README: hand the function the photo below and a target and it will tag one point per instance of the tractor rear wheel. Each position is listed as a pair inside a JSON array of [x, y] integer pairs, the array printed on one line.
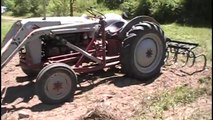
[[143, 51], [56, 83]]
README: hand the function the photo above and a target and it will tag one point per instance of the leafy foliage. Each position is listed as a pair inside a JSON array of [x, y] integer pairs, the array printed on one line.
[[182, 11], [59, 8], [36, 7], [129, 5], [197, 11], [166, 10], [22, 7], [111, 4]]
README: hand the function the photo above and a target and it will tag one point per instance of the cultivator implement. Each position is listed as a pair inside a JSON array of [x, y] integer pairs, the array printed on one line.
[[179, 50]]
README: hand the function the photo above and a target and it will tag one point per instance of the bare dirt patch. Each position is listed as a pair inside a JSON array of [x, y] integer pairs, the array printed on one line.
[[110, 93]]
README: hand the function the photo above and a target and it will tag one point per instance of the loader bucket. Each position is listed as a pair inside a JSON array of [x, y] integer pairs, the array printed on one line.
[[175, 49]]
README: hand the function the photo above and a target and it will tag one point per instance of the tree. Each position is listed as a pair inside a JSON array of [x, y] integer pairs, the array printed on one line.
[[2, 2], [71, 7], [36, 7], [59, 7], [21, 7]]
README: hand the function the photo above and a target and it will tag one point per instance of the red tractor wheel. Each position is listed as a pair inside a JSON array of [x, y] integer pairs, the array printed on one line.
[[56, 83], [143, 51]]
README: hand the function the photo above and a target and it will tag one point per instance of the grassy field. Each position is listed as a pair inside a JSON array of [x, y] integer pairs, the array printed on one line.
[[202, 36], [173, 31], [5, 27]]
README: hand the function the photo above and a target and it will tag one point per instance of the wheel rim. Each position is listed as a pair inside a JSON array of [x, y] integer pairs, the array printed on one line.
[[148, 53], [58, 85]]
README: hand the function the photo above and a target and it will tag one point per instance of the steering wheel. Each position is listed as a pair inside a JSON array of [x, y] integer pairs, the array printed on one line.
[[94, 12]]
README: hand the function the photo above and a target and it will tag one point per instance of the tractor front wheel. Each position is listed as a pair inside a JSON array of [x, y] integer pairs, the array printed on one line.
[[56, 83]]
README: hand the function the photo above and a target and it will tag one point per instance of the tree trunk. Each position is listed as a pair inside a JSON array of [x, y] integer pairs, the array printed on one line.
[[2, 2], [71, 7]]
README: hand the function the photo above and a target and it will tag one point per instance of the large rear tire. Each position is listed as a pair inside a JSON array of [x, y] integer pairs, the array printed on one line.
[[143, 51], [56, 83]]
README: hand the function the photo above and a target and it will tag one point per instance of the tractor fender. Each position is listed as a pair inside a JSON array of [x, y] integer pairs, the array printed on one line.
[[134, 21]]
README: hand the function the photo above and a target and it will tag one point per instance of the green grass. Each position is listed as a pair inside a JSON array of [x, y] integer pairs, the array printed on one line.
[[154, 106], [202, 36], [180, 95], [159, 103], [5, 27]]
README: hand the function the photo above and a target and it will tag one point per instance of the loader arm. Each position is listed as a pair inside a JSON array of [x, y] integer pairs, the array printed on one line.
[[26, 34], [12, 32]]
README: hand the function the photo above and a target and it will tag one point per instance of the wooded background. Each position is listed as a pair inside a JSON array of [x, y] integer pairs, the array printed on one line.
[[193, 12]]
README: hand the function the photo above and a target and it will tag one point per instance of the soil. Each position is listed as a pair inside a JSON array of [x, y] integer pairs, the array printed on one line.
[[109, 92]]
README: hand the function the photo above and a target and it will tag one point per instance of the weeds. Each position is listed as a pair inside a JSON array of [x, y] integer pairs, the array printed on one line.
[[154, 106]]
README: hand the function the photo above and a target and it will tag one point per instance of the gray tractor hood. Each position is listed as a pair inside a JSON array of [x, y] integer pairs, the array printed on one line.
[[109, 18]]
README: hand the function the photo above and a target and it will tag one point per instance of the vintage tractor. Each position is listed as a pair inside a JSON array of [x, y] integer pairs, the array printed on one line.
[[58, 49]]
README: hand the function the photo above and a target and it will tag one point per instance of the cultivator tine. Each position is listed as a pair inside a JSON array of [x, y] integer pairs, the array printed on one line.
[[204, 65], [205, 60], [193, 58], [185, 49], [167, 56], [187, 60]]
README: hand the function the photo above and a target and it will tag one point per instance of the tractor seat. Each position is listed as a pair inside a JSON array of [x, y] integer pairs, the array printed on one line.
[[114, 28]]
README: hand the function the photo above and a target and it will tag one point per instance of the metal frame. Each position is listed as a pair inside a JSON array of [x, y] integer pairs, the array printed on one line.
[[186, 49], [101, 60]]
